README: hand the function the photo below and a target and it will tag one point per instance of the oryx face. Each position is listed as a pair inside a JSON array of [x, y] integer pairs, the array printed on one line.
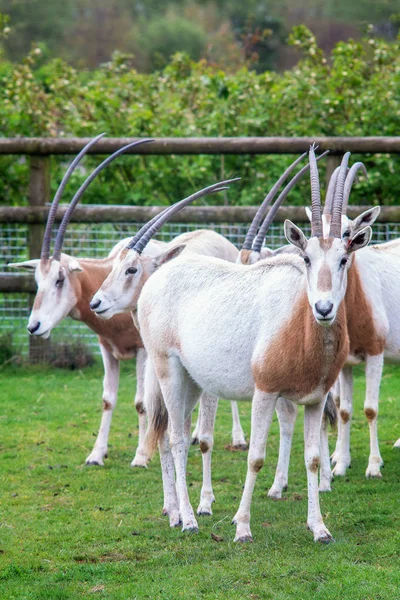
[[55, 296], [327, 261], [120, 291]]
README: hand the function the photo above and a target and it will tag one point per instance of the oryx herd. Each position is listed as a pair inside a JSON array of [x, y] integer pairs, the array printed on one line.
[[280, 328]]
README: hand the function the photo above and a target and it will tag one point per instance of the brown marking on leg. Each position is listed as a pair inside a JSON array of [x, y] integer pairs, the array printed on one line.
[[256, 465], [204, 447], [314, 465], [107, 405], [281, 370], [345, 416], [140, 408], [370, 413], [363, 333]]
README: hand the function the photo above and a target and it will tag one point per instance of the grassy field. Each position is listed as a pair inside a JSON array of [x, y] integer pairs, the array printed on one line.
[[68, 531]]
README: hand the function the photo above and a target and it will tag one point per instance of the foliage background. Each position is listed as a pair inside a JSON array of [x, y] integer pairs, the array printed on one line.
[[350, 89]]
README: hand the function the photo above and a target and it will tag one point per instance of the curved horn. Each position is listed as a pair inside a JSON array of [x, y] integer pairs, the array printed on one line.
[[68, 213], [349, 183], [336, 223], [255, 224], [331, 192], [271, 215], [147, 233], [45, 252], [316, 220]]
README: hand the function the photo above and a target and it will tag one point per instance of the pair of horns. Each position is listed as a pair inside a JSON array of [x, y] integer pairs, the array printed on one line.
[[337, 196], [144, 235], [254, 240], [45, 252]]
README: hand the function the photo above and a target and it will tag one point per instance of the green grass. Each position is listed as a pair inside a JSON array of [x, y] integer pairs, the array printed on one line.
[[68, 531]]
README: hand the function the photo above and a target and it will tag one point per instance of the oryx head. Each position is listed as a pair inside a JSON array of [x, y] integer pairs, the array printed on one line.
[[55, 275], [327, 257], [132, 267]]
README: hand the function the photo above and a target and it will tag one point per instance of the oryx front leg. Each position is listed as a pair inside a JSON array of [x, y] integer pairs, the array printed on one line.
[[325, 474], [141, 459], [208, 411], [238, 438], [312, 433], [180, 396], [287, 414], [110, 391], [373, 374], [262, 411], [342, 454]]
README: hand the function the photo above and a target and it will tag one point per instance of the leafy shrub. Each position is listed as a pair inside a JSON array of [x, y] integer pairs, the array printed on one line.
[[354, 92]]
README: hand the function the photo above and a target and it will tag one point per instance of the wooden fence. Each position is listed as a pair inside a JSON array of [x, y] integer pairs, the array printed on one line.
[[39, 151]]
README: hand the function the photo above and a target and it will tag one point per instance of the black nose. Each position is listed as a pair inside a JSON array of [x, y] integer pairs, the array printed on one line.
[[323, 308], [95, 304], [34, 327]]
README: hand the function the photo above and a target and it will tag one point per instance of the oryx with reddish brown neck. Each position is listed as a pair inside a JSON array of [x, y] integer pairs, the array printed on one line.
[[65, 287], [261, 331]]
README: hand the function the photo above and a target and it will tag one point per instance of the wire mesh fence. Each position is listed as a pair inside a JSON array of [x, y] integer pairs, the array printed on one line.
[[86, 240]]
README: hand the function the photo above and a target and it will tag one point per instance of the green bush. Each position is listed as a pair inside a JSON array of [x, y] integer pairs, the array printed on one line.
[[353, 92]]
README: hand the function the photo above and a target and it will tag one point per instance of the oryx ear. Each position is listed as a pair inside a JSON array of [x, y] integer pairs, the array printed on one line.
[[168, 255], [294, 235], [308, 213], [366, 218], [359, 239], [29, 265], [74, 266]]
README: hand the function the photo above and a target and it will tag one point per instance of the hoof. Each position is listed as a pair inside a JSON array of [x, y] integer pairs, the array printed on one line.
[[204, 512], [323, 489], [139, 462], [240, 446], [245, 539], [190, 529], [326, 538], [275, 493], [373, 474], [94, 463]]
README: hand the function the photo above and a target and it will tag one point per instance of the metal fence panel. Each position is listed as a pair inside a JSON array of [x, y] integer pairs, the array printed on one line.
[[97, 240]]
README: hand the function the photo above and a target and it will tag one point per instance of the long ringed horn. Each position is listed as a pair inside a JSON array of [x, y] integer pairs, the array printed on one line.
[[349, 183], [255, 224], [271, 215], [331, 192], [147, 233], [336, 223], [316, 220], [45, 252], [68, 213]]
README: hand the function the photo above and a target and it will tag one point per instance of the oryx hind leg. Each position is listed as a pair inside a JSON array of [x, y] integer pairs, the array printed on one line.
[[208, 411], [141, 458], [180, 395], [287, 414], [238, 438]]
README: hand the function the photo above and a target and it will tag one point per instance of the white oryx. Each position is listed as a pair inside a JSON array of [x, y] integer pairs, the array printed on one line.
[[274, 328], [119, 294], [121, 290], [65, 287], [374, 333]]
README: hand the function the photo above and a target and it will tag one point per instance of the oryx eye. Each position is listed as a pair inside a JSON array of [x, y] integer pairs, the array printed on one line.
[[343, 262], [131, 271], [307, 261]]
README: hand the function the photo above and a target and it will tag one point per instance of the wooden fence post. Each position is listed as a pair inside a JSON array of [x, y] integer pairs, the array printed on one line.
[[332, 162], [38, 195]]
